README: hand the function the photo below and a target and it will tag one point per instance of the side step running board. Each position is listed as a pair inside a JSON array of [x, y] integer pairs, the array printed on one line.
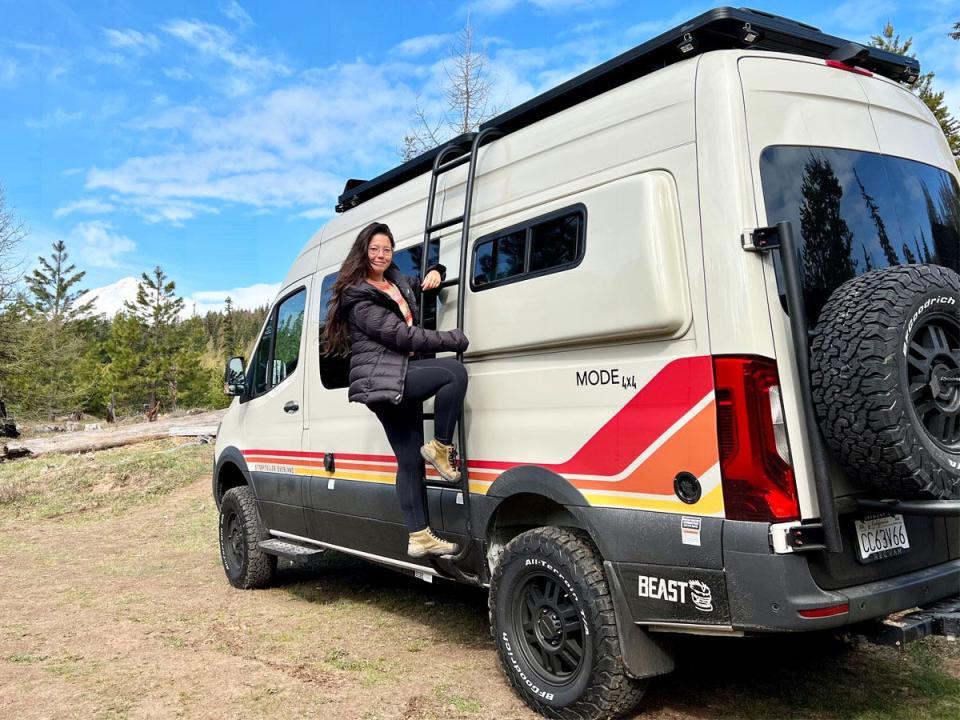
[[289, 550]]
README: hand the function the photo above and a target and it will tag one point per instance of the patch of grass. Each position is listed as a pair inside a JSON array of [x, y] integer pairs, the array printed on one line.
[[372, 672], [25, 659], [812, 676], [110, 481], [448, 697], [72, 667]]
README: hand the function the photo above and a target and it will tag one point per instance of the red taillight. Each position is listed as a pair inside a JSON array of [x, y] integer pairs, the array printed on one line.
[[836, 64], [823, 612], [758, 484]]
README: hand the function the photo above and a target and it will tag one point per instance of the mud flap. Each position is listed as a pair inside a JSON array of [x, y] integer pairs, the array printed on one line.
[[643, 655]]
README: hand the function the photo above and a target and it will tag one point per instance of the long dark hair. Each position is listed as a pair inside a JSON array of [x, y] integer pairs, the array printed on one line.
[[352, 272]]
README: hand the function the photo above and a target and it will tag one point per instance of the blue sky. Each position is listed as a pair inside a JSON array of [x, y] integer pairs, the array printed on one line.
[[212, 138]]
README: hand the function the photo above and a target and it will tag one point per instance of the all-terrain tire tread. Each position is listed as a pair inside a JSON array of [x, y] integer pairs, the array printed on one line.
[[857, 392], [611, 692], [261, 567]]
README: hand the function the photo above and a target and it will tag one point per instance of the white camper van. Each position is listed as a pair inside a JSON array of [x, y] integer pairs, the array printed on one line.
[[712, 297]]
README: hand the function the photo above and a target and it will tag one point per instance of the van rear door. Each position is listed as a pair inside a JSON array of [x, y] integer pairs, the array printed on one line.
[[860, 169]]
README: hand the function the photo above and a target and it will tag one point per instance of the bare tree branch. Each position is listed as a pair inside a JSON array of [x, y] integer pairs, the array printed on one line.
[[466, 96], [11, 233]]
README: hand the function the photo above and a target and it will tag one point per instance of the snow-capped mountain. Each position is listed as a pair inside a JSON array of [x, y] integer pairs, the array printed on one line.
[[109, 300]]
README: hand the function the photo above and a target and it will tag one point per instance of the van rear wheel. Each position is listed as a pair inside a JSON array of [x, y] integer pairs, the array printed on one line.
[[552, 618], [245, 564]]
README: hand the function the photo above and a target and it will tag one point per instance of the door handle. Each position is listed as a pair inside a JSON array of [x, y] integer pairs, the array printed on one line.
[[291, 407]]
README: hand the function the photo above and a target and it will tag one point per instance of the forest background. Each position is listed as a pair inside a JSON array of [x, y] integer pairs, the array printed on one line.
[[60, 360]]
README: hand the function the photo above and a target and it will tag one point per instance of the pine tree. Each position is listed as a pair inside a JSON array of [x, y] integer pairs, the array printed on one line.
[[923, 87], [126, 374], [228, 330], [158, 308], [882, 236], [827, 260], [51, 342], [52, 287]]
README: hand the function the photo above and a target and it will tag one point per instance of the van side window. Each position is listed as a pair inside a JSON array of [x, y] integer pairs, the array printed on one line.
[[278, 351], [408, 261], [261, 359], [334, 371], [543, 245]]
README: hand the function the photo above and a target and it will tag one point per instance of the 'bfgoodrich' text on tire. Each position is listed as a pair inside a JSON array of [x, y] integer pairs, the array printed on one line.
[[885, 370], [553, 621]]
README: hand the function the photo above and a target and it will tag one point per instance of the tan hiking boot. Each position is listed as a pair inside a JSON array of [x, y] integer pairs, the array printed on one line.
[[442, 458], [424, 542]]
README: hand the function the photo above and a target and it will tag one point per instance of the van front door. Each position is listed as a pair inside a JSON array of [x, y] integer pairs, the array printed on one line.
[[273, 412]]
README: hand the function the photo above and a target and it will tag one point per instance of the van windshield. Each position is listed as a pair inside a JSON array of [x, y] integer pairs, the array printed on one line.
[[855, 211]]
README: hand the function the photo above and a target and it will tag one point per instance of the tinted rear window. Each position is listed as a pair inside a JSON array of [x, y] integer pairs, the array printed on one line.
[[855, 211]]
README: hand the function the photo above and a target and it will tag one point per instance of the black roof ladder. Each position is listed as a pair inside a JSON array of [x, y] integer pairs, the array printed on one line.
[[462, 151]]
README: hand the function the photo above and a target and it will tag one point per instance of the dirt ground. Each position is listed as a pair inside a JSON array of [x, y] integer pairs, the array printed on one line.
[[115, 608]]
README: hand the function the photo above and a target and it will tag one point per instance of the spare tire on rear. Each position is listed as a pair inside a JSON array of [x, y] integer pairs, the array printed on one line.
[[885, 366]]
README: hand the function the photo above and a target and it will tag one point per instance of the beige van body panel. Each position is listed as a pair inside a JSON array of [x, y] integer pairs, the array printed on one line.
[[629, 157]]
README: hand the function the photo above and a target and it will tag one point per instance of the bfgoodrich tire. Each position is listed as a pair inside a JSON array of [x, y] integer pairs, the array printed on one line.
[[885, 362], [244, 563], [552, 618]]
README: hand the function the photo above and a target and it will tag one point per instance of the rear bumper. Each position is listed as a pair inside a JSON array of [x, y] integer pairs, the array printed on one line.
[[767, 593], [754, 590]]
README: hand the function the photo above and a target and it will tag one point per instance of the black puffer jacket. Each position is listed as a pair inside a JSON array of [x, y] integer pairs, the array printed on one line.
[[381, 341]]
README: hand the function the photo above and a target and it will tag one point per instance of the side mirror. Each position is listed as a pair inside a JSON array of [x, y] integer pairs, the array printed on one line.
[[234, 381]]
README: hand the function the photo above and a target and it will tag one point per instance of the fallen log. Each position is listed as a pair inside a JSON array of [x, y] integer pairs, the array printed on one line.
[[8, 453], [116, 436]]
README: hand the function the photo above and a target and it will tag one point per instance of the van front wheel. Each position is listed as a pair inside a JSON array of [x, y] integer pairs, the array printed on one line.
[[552, 618], [245, 564]]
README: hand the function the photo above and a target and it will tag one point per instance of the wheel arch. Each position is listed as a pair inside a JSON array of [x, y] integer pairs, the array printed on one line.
[[530, 496], [231, 471]]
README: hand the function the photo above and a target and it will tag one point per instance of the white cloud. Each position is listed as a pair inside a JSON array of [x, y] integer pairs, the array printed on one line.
[[499, 7], [272, 152], [215, 43], [133, 40], [415, 46], [89, 206], [56, 119], [866, 16], [232, 10], [9, 70], [491, 7], [98, 245], [318, 213], [249, 297], [177, 73]]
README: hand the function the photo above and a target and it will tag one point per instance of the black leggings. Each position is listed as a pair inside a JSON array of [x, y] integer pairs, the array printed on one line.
[[447, 379]]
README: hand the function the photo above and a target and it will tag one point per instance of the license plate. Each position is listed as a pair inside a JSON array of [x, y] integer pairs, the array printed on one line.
[[881, 536]]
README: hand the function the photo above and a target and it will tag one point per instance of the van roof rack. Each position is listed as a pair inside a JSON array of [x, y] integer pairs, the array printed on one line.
[[719, 29]]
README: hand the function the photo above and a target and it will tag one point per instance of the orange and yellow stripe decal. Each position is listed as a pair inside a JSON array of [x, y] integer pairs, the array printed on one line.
[[669, 426]]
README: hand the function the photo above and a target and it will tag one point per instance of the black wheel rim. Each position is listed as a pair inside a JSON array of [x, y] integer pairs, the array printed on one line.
[[547, 622], [933, 377], [232, 540]]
